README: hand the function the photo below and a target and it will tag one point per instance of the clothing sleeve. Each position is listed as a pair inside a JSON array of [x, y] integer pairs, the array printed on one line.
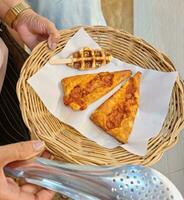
[[3, 61], [69, 13]]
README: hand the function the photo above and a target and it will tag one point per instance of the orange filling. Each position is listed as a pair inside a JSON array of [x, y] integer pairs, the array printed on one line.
[[122, 110], [78, 92]]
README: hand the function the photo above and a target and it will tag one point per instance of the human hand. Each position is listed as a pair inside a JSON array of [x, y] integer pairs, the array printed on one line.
[[9, 189], [34, 28]]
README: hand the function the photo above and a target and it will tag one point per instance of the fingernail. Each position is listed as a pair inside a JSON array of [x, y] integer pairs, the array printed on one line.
[[38, 145], [53, 46]]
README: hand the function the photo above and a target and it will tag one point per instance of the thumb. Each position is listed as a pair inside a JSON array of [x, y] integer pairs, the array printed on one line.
[[54, 36], [20, 151]]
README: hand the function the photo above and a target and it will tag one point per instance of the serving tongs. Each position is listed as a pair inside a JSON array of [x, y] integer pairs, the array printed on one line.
[[80, 182]]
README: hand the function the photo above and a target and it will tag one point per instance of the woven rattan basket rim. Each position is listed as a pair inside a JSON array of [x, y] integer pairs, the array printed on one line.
[[69, 145]]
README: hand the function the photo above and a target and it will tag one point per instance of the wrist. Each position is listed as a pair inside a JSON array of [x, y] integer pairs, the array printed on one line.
[[5, 5], [14, 12], [22, 17]]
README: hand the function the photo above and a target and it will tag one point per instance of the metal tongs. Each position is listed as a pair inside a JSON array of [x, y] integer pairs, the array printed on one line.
[[80, 182]]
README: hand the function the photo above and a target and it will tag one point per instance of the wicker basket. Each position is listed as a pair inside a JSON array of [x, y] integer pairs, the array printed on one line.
[[67, 144]]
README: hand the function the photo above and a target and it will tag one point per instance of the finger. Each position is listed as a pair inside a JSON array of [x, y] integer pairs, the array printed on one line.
[[41, 195], [26, 196], [44, 194], [29, 188], [10, 181], [20, 151], [53, 36], [46, 154], [37, 39]]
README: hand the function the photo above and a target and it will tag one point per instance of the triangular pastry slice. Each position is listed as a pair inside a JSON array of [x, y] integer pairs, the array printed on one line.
[[117, 114], [82, 90]]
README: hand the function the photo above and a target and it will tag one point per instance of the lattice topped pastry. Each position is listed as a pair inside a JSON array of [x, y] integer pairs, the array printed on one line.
[[86, 58]]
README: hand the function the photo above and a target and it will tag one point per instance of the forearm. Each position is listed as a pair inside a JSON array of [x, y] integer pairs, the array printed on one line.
[[5, 5]]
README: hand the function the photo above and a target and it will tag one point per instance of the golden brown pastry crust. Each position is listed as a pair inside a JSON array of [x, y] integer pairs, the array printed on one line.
[[116, 115], [82, 90], [88, 58]]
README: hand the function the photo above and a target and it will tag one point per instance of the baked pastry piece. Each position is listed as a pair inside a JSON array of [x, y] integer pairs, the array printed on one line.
[[82, 90], [86, 58], [117, 114]]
